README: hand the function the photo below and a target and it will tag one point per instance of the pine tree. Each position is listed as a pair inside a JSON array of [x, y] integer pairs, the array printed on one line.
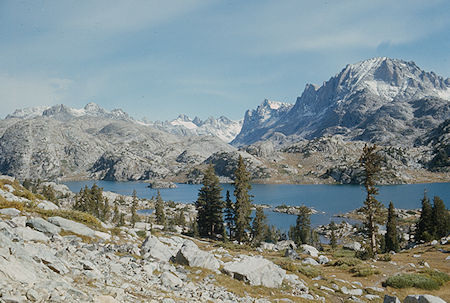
[[209, 205], [300, 234], [134, 205], [259, 226], [391, 237], [106, 211], [425, 226], [180, 220], [333, 240], [49, 193], [92, 202], [243, 203], [159, 210], [372, 208], [116, 214], [441, 218], [229, 214]]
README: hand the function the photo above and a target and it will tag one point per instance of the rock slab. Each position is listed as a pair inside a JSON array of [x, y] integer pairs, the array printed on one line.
[[256, 271]]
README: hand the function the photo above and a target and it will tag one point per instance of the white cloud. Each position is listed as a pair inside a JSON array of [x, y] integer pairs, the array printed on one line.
[[291, 26], [29, 91]]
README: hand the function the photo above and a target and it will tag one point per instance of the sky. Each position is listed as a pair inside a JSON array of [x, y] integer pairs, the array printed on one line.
[[157, 59]]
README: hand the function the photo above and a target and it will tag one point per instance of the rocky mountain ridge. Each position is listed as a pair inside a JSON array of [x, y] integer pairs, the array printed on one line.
[[380, 100]]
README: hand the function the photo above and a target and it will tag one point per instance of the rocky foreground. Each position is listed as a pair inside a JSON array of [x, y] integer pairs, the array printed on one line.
[[48, 255]]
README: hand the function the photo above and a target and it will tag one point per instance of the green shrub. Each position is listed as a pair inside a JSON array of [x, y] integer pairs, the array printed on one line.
[[412, 280], [364, 271], [346, 262], [343, 253], [385, 258], [288, 265], [427, 279], [440, 277], [141, 233], [11, 204], [309, 271]]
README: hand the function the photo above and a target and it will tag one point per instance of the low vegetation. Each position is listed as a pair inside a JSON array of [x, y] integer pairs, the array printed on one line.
[[428, 280]]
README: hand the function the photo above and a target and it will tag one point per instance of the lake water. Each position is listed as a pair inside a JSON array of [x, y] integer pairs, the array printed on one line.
[[327, 199]]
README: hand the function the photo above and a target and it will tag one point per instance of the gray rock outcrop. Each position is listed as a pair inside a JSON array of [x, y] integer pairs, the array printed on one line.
[[72, 226], [191, 255], [423, 299], [256, 271]]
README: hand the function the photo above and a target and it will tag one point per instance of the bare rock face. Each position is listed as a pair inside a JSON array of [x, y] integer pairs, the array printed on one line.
[[380, 100], [191, 255], [154, 248], [61, 142], [256, 271]]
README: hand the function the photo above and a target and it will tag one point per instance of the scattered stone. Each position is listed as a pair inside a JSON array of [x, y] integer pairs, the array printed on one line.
[[309, 250], [434, 242], [291, 253], [327, 289], [10, 212], [323, 259], [390, 299], [356, 246], [352, 292], [154, 248], [256, 271], [310, 261], [372, 297], [285, 244], [423, 299], [191, 255], [170, 280], [28, 234], [47, 205], [43, 226]]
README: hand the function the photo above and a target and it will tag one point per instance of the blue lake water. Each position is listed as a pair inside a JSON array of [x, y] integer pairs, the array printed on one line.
[[327, 199]]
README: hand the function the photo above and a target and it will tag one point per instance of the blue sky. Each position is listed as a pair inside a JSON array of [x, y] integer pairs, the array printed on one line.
[[156, 59]]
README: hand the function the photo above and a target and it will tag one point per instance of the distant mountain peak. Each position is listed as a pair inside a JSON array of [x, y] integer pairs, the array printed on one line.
[[379, 99]]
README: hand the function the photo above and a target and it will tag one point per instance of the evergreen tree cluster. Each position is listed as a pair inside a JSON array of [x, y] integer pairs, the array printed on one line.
[[301, 232], [159, 210], [215, 217], [92, 202], [434, 222]]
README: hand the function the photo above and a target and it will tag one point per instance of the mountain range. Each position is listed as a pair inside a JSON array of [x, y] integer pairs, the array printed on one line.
[[386, 101], [380, 100]]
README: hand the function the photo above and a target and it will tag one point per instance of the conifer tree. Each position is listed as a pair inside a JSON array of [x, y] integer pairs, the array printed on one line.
[[134, 205], [180, 220], [229, 214], [159, 210], [106, 211], [259, 226], [333, 240], [441, 218], [300, 234], [209, 205], [391, 237], [372, 208], [243, 203], [92, 201], [425, 226], [116, 214]]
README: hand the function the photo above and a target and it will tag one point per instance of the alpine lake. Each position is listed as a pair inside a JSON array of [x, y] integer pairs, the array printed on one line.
[[327, 200]]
